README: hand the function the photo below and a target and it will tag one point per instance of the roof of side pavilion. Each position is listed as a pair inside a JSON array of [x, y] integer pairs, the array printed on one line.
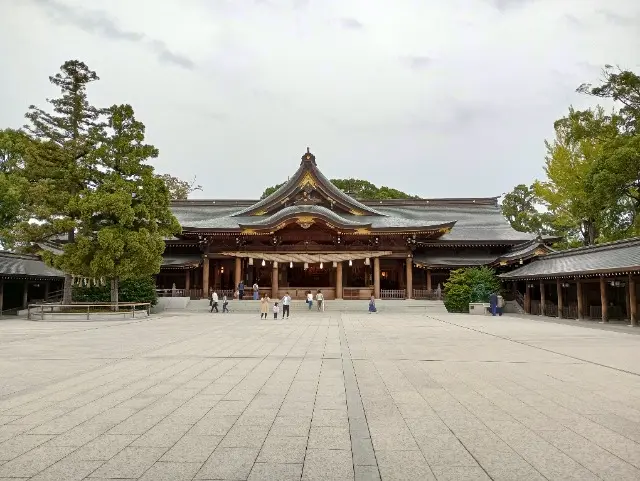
[[23, 266], [619, 257], [310, 195]]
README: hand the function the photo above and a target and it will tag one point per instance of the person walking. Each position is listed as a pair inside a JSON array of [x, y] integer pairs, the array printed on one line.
[[372, 305], [493, 303], [241, 290], [214, 301], [264, 306], [276, 309], [500, 304], [225, 304], [309, 299], [320, 300], [286, 303], [256, 291]]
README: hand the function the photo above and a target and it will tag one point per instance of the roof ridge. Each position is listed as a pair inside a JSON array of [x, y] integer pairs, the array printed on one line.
[[604, 246]]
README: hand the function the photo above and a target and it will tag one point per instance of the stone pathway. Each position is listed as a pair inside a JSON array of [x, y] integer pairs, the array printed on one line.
[[324, 396]]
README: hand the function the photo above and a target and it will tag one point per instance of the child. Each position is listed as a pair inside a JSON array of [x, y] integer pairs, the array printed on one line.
[[320, 300], [372, 305], [276, 309], [309, 299], [225, 303]]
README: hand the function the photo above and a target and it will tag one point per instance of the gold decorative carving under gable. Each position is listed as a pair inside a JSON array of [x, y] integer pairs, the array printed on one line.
[[305, 221], [363, 230], [260, 212], [540, 252], [307, 179], [355, 212], [248, 231]]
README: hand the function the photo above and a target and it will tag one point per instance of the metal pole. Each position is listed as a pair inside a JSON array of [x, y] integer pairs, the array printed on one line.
[[88, 307]]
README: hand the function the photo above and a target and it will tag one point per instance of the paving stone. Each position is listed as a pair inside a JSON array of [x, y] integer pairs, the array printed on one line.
[[272, 472], [245, 437], [290, 426], [228, 463], [68, 470], [403, 466], [104, 447], [192, 448], [214, 425], [283, 449], [20, 444], [166, 471], [330, 417], [323, 464], [131, 462], [457, 473], [34, 461], [325, 437], [367, 473]]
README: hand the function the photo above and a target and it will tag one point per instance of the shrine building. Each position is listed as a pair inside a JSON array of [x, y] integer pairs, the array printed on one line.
[[310, 235]]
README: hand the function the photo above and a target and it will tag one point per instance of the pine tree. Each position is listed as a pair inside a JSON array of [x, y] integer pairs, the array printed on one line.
[[59, 165], [125, 215]]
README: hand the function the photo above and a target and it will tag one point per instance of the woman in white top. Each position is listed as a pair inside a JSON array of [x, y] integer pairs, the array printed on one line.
[[309, 299]]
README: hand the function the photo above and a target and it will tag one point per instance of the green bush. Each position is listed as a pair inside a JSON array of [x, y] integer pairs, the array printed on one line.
[[469, 285], [130, 290]]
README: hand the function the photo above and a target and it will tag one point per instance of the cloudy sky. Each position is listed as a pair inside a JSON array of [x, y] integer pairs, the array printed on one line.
[[440, 98]]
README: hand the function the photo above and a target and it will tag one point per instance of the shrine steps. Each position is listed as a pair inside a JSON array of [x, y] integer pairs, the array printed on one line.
[[337, 305]]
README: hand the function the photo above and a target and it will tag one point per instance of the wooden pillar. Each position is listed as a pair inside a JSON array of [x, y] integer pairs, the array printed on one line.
[[274, 281], [237, 273], [633, 301], [428, 279], [527, 299], [187, 279], [25, 295], [580, 300], [1, 296], [339, 281], [376, 277], [46, 291], [542, 298], [205, 277], [215, 276], [560, 299], [409, 286], [603, 299]]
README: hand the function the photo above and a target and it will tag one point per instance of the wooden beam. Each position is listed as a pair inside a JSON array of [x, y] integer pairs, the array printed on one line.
[[25, 295], [339, 281], [580, 300], [205, 277], [633, 301], [542, 298], [603, 299], [1, 296], [376, 277], [409, 288], [274, 281], [560, 298]]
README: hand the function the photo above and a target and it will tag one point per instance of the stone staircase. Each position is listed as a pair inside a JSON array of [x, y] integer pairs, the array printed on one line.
[[338, 305], [513, 307]]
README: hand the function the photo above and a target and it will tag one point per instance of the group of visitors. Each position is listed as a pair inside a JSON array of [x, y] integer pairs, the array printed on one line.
[[265, 302], [213, 302]]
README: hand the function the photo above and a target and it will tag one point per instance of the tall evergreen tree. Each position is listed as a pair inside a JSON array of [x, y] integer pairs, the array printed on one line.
[[125, 214], [60, 167]]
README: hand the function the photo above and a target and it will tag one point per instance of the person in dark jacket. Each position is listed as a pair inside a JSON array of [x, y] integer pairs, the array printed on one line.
[[241, 290], [493, 303]]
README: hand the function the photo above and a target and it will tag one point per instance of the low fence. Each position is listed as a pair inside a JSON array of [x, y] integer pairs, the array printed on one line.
[[82, 309], [392, 294], [428, 294], [190, 293]]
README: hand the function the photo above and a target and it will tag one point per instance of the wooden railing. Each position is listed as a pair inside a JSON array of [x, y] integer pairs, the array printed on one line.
[[102, 308], [428, 294], [519, 298], [191, 293], [392, 293]]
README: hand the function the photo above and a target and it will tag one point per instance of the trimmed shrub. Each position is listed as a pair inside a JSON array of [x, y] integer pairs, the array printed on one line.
[[468, 285], [141, 289]]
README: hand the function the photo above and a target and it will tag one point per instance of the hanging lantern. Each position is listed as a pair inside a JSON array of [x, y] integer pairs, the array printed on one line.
[[321, 265], [350, 262], [291, 265], [335, 264], [306, 266], [222, 270], [250, 261], [263, 263], [367, 261]]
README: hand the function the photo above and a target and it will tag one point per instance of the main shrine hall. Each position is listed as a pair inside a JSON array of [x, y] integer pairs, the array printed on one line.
[[309, 235]]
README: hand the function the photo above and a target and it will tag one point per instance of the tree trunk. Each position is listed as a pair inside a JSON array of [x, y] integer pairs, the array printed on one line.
[[67, 292], [114, 293]]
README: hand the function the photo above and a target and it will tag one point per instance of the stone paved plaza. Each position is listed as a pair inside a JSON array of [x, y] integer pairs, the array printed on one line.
[[322, 396]]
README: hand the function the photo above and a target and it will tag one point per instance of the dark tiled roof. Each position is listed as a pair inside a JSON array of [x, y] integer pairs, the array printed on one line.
[[358, 221], [22, 265], [462, 260], [474, 221], [612, 257], [526, 250]]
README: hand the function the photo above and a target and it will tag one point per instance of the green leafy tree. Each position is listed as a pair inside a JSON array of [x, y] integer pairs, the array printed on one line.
[[569, 165], [615, 179], [468, 285], [12, 182], [125, 215], [136, 289], [359, 189], [58, 164], [521, 208], [179, 189]]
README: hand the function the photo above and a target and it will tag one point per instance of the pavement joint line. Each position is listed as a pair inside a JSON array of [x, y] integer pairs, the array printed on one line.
[[537, 347], [352, 390]]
